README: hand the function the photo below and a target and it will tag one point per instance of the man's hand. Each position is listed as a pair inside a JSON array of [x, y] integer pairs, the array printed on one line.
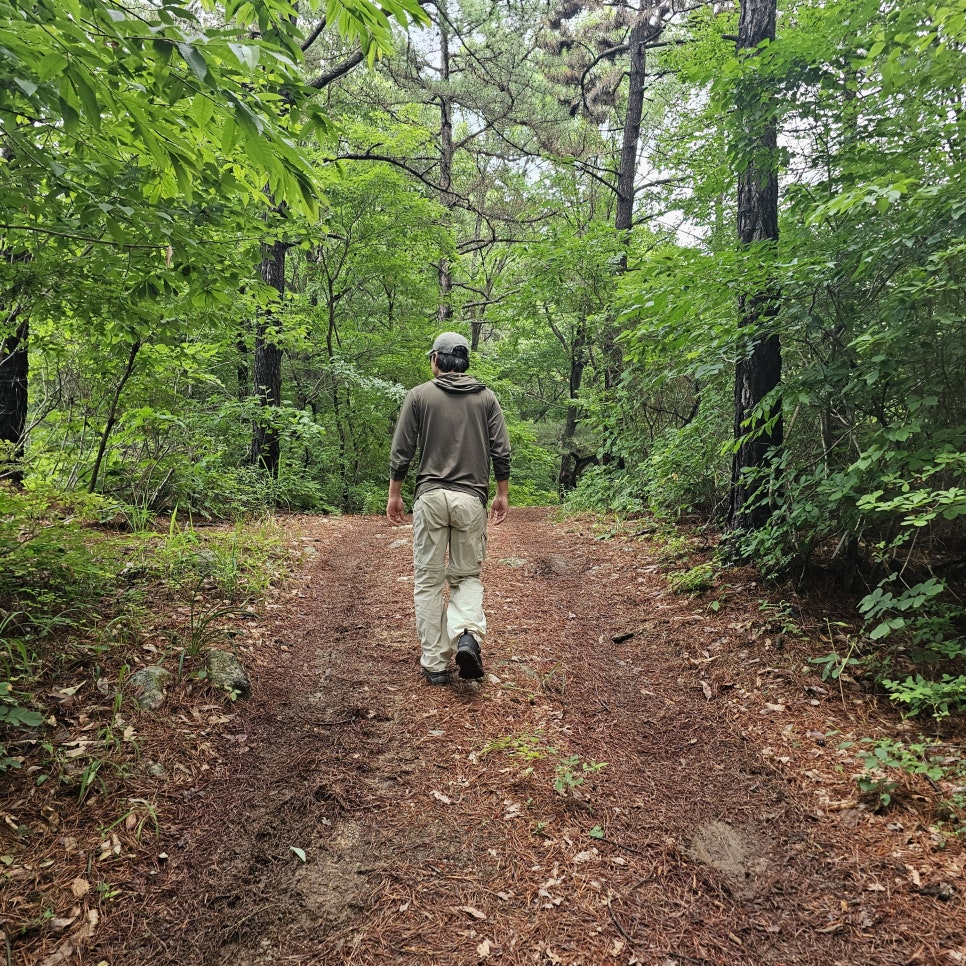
[[396, 511], [395, 508], [501, 502]]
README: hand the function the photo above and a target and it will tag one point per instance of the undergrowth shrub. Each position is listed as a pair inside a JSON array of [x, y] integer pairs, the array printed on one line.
[[51, 582], [50, 574], [693, 581], [600, 489], [238, 564], [685, 471]]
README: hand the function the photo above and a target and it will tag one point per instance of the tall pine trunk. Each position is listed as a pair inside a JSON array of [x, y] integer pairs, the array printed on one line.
[[265, 449], [14, 371], [758, 429], [627, 166], [570, 462], [640, 34], [13, 401], [446, 149]]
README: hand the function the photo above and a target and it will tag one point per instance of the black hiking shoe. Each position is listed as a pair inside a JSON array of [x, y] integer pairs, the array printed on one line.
[[436, 677], [468, 658]]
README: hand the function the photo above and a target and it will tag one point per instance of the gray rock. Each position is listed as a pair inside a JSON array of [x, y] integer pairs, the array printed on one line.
[[150, 683], [227, 673], [206, 561]]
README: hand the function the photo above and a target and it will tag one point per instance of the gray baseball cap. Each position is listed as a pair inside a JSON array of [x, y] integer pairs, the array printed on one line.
[[448, 341]]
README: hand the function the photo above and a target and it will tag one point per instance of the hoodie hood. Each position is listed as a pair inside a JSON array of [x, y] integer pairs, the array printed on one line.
[[458, 382]]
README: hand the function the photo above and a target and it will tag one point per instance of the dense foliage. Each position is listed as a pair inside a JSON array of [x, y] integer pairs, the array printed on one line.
[[474, 177]]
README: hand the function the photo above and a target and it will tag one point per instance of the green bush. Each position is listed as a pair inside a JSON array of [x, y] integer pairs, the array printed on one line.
[[49, 574], [602, 489], [686, 472]]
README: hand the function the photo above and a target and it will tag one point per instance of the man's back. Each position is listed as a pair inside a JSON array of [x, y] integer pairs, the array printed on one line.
[[460, 428]]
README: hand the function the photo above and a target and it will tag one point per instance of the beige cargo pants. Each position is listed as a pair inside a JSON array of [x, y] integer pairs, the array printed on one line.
[[447, 520]]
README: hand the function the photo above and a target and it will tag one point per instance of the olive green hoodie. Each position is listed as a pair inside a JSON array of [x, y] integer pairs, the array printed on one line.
[[459, 428]]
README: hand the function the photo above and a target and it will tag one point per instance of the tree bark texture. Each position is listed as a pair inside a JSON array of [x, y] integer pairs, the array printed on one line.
[[569, 457], [758, 433], [242, 372], [14, 369], [640, 33], [627, 169], [266, 443], [446, 149]]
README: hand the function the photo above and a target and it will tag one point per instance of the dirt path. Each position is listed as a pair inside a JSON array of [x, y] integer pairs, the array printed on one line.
[[731, 833]]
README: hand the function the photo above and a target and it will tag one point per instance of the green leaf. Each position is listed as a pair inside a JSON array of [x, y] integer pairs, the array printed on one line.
[[192, 57], [27, 86], [229, 134], [247, 55], [50, 65], [299, 852], [88, 99]]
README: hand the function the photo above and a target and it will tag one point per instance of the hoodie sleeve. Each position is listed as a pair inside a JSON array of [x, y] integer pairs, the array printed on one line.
[[404, 439], [499, 441]]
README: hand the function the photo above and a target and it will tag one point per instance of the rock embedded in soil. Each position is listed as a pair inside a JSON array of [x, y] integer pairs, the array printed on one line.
[[227, 673], [149, 683], [735, 853]]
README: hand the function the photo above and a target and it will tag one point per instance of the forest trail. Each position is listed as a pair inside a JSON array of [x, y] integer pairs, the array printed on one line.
[[731, 833]]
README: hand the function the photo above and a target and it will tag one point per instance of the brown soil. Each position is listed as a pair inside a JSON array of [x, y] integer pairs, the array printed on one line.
[[725, 827]]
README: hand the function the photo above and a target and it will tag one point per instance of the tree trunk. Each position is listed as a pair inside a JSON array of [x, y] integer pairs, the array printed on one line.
[[242, 372], [626, 192], [14, 370], [627, 169], [266, 446], [445, 310], [569, 458], [112, 416], [758, 432], [265, 450], [13, 401]]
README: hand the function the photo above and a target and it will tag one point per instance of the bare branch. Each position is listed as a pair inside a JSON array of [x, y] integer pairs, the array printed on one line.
[[314, 36], [323, 80]]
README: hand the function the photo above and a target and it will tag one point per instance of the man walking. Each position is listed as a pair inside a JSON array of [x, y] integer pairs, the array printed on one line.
[[459, 428]]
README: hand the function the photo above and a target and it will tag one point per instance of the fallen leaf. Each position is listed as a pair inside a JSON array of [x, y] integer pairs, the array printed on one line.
[[80, 888], [484, 949], [87, 929], [472, 911], [59, 955], [440, 797], [706, 688]]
